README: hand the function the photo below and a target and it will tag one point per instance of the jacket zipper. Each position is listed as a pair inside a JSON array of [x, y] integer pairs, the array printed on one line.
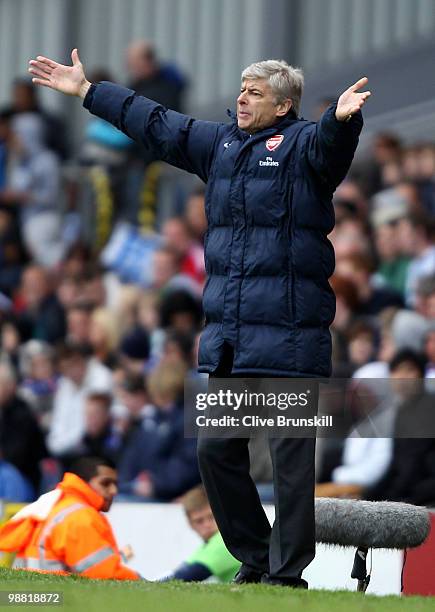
[[291, 276]]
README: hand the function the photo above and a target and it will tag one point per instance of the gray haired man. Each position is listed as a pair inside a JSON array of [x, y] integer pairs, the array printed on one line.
[[268, 304]]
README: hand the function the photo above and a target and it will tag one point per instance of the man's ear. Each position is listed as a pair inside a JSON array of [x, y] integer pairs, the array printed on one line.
[[283, 107]]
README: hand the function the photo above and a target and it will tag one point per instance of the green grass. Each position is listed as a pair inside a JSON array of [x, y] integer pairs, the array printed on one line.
[[107, 596]]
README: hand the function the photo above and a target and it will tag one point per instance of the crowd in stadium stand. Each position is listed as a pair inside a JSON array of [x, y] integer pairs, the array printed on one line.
[[100, 306]]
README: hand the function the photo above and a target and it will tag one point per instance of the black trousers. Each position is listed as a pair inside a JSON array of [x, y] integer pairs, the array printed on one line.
[[286, 549]]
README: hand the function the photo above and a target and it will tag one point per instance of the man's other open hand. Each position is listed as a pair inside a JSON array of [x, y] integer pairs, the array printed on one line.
[[351, 100], [69, 80]]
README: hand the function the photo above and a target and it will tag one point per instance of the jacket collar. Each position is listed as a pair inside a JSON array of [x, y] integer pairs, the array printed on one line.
[[73, 485]]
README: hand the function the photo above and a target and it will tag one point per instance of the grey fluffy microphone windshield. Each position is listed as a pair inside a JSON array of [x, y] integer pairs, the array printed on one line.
[[351, 522]]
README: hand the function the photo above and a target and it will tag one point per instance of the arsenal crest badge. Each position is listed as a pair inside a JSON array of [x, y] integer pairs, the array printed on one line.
[[274, 142]]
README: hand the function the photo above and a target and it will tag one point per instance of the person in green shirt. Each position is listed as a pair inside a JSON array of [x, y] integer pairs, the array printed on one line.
[[212, 557]]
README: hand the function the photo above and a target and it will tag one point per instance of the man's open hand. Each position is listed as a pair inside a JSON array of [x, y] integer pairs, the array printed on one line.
[[351, 100], [69, 80]]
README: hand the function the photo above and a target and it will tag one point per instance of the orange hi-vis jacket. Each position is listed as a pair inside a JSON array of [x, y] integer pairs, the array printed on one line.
[[64, 532]]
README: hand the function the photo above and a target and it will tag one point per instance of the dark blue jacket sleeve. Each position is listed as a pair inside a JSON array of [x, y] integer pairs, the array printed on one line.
[[329, 146], [169, 136]]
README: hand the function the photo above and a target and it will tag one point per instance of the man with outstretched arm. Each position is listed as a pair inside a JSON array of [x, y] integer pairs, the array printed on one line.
[[268, 305]]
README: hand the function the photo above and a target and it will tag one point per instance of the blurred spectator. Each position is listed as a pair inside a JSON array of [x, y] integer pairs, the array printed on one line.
[[389, 208], [149, 78], [195, 214], [159, 462], [349, 237], [362, 339], [25, 100], [132, 394], [167, 272], [135, 350], [382, 168], [5, 121], [10, 339], [165, 266], [421, 236], [178, 347], [80, 375], [39, 379], [94, 290], [408, 330], [346, 304], [148, 317], [349, 201], [68, 291], [12, 255], [40, 315], [177, 236], [372, 299], [33, 186], [425, 296], [76, 261], [21, 440], [387, 347], [100, 437], [212, 557], [426, 183], [382, 454], [180, 311], [78, 323], [104, 336], [165, 84], [411, 473]]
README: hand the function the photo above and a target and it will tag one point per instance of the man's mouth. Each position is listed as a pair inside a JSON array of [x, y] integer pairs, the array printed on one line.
[[243, 114]]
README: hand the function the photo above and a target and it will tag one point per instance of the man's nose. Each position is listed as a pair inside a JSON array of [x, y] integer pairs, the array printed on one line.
[[241, 99]]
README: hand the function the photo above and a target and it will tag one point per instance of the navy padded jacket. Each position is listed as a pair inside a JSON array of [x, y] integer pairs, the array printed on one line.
[[269, 210]]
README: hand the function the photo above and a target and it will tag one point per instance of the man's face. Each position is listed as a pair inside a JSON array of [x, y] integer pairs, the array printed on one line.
[[176, 236], [74, 368], [406, 380], [165, 267], [78, 325], [97, 417], [23, 97], [140, 61], [106, 484], [34, 286], [202, 521], [256, 107], [134, 401]]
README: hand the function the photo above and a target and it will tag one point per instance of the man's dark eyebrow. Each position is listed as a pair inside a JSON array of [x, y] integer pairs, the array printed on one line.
[[108, 480]]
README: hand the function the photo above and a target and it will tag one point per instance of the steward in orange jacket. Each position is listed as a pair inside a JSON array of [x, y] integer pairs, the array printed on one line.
[[64, 531]]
